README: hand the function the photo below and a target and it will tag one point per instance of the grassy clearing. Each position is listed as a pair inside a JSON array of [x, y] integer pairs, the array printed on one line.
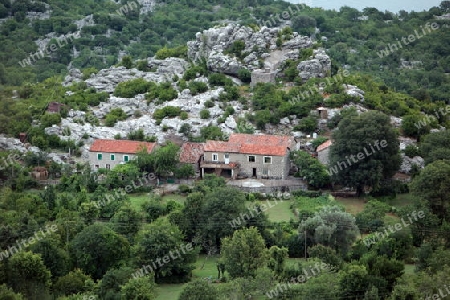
[[205, 267], [169, 291], [279, 212], [138, 199], [352, 205]]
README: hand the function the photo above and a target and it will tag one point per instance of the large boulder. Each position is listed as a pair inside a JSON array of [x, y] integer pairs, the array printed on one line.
[[317, 67]]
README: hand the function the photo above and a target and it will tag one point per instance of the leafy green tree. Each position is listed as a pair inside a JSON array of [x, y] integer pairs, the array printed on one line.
[[353, 281], [55, 257], [244, 253], [185, 171], [28, 275], [126, 221], [98, 248], [72, 283], [157, 242], [277, 259], [111, 284], [165, 159], [199, 290], [311, 169], [8, 294], [143, 288], [332, 227], [223, 205], [358, 135], [48, 119], [435, 146], [411, 126], [433, 184], [116, 114], [127, 62], [372, 217]]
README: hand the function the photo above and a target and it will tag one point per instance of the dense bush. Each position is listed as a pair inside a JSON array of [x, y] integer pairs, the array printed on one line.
[[166, 111], [164, 92], [116, 114], [48, 119], [129, 89], [205, 114], [197, 87]]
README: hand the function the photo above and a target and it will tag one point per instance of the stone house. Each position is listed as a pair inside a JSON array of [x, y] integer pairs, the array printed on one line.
[[247, 155], [323, 152], [109, 153], [263, 76], [192, 153]]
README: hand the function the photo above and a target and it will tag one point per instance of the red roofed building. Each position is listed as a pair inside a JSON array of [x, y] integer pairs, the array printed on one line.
[[247, 155], [323, 152], [192, 153], [109, 153]]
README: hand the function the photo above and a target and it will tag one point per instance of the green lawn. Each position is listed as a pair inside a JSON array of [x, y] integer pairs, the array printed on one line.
[[138, 199], [205, 268], [279, 211], [353, 205], [169, 291]]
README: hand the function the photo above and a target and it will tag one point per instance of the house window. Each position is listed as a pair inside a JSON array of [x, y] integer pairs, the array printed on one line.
[[96, 166], [215, 157], [265, 171], [251, 158], [99, 156], [108, 167], [126, 158], [267, 159], [113, 157]]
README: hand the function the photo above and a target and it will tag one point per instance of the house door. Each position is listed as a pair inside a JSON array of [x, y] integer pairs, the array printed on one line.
[[254, 172], [227, 158]]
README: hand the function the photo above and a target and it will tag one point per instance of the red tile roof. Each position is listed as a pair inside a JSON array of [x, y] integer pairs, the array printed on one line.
[[190, 152], [252, 144], [324, 146], [220, 146], [120, 146]]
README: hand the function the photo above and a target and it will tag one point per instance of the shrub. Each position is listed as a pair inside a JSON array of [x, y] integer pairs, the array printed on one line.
[[184, 115], [48, 119], [164, 92], [185, 129], [208, 104], [116, 114], [245, 75], [219, 79], [204, 114], [412, 151], [197, 87], [163, 53], [129, 89], [192, 72], [167, 111], [184, 188]]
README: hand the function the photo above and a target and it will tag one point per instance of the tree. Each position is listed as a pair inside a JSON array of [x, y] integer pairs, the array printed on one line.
[[143, 288], [98, 248], [165, 159], [435, 146], [331, 227], [353, 281], [160, 240], [199, 290], [223, 205], [277, 259], [311, 169], [411, 126], [127, 62], [72, 283], [357, 137], [127, 221], [185, 171], [28, 275], [433, 185], [244, 253], [53, 254], [8, 294]]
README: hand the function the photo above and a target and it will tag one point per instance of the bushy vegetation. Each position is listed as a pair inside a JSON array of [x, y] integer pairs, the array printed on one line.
[[116, 114], [166, 111], [129, 89]]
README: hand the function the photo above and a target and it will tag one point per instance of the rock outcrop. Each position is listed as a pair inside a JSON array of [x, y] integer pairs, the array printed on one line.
[[211, 45], [317, 67]]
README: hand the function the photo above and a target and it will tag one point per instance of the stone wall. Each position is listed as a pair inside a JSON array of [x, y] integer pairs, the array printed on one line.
[[262, 76]]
